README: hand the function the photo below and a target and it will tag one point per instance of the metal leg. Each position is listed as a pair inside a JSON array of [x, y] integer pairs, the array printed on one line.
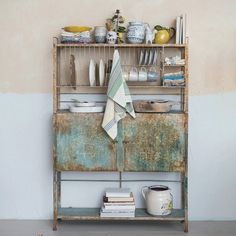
[[185, 203], [58, 189], [186, 225], [54, 200]]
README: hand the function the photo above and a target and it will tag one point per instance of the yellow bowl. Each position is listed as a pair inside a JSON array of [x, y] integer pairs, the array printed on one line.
[[76, 29]]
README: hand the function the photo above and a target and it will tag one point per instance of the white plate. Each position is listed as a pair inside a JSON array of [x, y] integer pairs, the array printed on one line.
[[85, 104], [141, 57], [87, 109], [146, 58], [92, 73], [101, 73], [155, 58], [150, 57]]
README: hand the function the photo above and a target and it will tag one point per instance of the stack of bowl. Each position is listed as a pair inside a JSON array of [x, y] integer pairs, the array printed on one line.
[[76, 34]]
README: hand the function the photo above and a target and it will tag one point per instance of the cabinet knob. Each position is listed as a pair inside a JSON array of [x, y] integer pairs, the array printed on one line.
[[125, 141]]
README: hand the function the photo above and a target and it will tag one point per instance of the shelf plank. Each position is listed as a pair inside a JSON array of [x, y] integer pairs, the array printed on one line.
[[93, 214], [130, 86], [174, 65], [134, 89], [102, 45]]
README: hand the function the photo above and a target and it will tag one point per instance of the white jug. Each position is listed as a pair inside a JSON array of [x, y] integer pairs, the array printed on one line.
[[159, 200]]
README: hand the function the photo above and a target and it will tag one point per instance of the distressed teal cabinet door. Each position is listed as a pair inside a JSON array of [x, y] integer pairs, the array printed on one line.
[[154, 142], [81, 144]]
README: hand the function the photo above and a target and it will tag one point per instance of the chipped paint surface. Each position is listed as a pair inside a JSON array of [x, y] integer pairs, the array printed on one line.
[[81, 143], [154, 142], [151, 142]]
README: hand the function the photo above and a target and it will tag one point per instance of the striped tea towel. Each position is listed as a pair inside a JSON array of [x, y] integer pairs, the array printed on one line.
[[119, 100]]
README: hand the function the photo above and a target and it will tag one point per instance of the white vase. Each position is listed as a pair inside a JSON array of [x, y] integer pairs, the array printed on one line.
[[159, 200], [111, 37], [100, 33]]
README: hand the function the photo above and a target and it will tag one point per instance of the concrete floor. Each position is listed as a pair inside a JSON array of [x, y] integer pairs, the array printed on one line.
[[44, 228]]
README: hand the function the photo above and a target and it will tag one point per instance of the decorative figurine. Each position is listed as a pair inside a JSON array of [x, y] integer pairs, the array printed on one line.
[[149, 35]]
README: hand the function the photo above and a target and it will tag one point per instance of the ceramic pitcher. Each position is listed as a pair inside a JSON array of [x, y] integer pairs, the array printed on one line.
[[163, 34], [159, 200]]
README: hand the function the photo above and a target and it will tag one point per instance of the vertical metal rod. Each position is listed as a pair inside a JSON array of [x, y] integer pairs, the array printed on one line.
[[120, 179], [186, 140], [58, 77], [54, 199], [182, 191], [186, 56], [55, 75], [58, 189]]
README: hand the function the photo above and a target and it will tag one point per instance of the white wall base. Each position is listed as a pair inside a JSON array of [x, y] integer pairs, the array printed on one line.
[[26, 162]]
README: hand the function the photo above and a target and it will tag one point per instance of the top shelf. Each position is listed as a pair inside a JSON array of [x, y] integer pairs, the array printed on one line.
[[105, 45]]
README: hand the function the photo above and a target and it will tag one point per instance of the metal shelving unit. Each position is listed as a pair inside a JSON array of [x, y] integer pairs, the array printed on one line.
[[62, 121]]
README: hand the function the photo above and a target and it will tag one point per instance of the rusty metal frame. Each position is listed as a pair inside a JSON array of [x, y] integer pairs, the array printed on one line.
[[57, 173]]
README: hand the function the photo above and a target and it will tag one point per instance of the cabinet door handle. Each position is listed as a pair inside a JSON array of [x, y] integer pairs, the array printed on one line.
[[125, 141]]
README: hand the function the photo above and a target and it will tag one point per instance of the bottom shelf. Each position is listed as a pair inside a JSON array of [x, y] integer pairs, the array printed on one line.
[[93, 214]]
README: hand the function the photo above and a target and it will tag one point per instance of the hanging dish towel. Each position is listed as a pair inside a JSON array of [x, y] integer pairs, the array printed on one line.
[[119, 100]]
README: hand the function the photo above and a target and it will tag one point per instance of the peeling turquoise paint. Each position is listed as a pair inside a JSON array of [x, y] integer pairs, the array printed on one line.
[[82, 145], [154, 142], [151, 142]]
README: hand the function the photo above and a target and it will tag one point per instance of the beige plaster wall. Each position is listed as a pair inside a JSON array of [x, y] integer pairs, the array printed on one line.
[[27, 28]]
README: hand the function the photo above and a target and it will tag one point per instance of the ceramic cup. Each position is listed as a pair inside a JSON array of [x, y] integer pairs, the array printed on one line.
[[142, 74], [100, 34], [125, 75], [111, 37], [133, 74], [152, 75]]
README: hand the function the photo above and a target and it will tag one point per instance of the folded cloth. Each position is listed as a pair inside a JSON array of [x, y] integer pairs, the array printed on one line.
[[119, 100], [180, 73], [174, 77], [168, 82]]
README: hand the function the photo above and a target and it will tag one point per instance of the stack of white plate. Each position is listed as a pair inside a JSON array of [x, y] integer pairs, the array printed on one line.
[[86, 107]]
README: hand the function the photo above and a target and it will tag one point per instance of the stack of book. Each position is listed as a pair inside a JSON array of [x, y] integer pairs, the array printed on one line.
[[118, 202]]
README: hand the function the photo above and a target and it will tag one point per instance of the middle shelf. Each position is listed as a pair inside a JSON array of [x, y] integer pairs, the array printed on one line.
[[134, 89]]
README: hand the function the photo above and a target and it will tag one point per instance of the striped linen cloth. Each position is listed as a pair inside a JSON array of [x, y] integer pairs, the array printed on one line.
[[119, 100]]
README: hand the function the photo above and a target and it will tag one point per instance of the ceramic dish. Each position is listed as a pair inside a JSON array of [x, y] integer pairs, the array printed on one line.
[[84, 104], [153, 106], [154, 58], [141, 57], [87, 109], [92, 73], [146, 58], [76, 28], [150, 59], [101, 73]]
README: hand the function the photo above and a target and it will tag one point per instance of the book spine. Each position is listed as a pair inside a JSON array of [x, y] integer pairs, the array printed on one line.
[[177, 30], [181, 31], [117, 194], [112, 207], [117, 211], [118, 203], [185, 27], [117, 199], [117, 215]]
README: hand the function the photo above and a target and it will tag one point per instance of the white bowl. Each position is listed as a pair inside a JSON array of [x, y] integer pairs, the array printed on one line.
[[87, 109]]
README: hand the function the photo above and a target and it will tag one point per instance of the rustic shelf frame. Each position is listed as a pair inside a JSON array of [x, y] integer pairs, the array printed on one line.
[[93, 213]]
